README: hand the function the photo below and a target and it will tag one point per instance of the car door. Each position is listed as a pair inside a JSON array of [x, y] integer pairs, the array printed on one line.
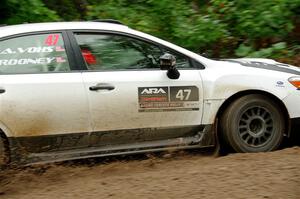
[[43, 105], [130, 98]]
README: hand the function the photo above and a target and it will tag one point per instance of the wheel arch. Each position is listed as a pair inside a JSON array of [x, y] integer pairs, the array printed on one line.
[[6, 145], [237, 95]]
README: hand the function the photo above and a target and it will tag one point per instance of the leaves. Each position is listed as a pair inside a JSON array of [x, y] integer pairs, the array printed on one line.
[[221, 28], [28, 11]]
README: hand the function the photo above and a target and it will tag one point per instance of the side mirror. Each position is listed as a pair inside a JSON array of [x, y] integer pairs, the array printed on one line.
[[168, 62]]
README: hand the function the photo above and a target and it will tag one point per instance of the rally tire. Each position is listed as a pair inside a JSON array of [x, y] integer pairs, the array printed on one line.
[[253, 123]]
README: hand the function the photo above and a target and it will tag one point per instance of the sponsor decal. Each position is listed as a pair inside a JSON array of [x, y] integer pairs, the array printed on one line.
[[52, 40], [32, 50], [26, 61], [59, 49], [29, 50], [153, 94], [174, 98], [25, 55], [60, 60], [184, 93], [153, 91]]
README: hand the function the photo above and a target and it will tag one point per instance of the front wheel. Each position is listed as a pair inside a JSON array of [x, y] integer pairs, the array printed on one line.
[[253, 123]]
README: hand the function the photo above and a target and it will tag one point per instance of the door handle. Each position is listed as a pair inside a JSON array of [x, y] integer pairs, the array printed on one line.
[[102, 87], [2, 90]]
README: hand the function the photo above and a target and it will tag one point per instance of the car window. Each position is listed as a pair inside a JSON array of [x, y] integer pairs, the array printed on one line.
[[33, 54], [108, 51]]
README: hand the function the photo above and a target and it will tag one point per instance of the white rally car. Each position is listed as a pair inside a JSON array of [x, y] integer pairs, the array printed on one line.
[[85, 89]]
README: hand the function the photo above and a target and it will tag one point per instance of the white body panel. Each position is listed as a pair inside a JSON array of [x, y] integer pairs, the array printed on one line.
[[292, 103], [44, 104], [119, 108], [222, 80]]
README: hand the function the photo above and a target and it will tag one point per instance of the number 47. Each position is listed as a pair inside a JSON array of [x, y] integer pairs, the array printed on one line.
[[183, 94]]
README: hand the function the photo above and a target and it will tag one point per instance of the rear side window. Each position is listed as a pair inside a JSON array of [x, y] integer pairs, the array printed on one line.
[[33, 54]]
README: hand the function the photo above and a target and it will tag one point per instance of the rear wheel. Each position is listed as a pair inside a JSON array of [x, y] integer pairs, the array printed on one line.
[[253, 123]]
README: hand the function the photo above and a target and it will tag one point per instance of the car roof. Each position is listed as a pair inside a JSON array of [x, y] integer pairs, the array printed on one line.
[[110, 26], [33, 27]]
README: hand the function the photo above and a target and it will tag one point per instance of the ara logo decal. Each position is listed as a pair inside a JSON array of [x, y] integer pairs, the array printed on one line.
[[150, 91], [153, 94]]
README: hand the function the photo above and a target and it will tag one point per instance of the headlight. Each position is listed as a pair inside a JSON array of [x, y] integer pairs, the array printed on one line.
[[295, 81]]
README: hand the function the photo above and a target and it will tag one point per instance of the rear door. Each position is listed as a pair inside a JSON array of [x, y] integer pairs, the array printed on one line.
[[44, 106], [130, 98]]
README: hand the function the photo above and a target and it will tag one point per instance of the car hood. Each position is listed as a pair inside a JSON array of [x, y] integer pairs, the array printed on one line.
[[267, 64]]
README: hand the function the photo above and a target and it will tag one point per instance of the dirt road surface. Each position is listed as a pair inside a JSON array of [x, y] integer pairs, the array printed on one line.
[[183, 175]]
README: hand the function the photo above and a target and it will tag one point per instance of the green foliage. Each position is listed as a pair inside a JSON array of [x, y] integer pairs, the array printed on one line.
[[243, 50], [221, 28], [275, 51], [256, 19], [69, 10], [215, 26], [20, 11], [257, 25], [175, 21]]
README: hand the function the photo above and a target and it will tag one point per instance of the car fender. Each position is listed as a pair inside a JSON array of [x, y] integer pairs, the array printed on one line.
[[5, 130], [220, 85]]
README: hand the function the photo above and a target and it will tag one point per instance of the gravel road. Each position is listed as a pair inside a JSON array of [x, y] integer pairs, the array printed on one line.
[[179, 175]]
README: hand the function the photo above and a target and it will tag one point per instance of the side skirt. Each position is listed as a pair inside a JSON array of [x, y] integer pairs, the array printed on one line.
[[203, 138]]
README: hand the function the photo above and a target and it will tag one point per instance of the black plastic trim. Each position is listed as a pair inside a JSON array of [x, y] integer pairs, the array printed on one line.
[[69, 51], [295, 123], [80, 63], [197, 64], [108, 21]]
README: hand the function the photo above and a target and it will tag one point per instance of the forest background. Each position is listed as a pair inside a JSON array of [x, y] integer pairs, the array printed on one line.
[[216, 28]]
